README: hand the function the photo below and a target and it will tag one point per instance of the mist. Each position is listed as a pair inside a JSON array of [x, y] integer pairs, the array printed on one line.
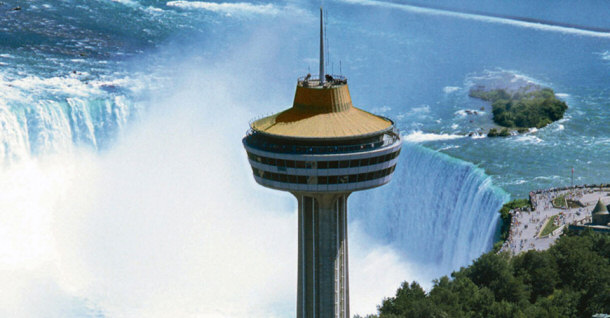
[[168, 222]]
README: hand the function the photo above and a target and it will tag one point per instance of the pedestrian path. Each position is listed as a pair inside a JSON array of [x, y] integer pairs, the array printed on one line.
[[527, 224]]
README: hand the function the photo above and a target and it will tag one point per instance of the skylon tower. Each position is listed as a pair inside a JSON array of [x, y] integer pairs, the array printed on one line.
[[321, 150]]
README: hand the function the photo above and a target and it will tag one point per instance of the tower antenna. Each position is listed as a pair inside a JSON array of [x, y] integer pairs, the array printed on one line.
[[326, 43], [321, 47]]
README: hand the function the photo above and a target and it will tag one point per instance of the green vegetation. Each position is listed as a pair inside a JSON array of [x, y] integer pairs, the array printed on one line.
[[560, 201], [495, 133], [523, 109], [571, 279], [549, 227], [506, 218]]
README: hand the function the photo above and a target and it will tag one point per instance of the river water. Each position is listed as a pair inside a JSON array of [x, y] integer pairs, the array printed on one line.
[[125, 191]]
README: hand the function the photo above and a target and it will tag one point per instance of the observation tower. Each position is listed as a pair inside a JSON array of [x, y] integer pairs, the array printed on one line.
[[321, 150]]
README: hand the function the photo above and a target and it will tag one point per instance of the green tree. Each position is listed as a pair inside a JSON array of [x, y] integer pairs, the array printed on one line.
[[571, 279], [539, 271]]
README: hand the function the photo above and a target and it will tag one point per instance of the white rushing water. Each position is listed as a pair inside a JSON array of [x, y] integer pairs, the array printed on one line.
[[110, 210], [169, 214], [439, 212]]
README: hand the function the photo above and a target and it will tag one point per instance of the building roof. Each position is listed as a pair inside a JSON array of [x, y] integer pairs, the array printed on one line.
[[322, 112], [600, 208]]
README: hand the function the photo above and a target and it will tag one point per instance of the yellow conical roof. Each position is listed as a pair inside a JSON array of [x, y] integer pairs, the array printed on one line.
[[322, 112]]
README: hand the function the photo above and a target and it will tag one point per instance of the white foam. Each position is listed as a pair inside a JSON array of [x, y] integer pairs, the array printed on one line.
[[381, 110], [130, 3], [562, 95], [420, 112], [450, 89], [424, 109], [554, 177], [419, 136], [142, 230], [66, 85], [482, 18], [605, 55], [449, 147], [466, 112], [455, 126], [226, 7], [530, 139], [153, 9]]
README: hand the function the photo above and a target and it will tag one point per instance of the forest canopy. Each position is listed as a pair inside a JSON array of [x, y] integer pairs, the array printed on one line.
[[571, 279]]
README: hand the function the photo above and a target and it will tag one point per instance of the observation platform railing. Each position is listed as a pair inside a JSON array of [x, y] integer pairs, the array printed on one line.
[[389, 138], [314, 81]]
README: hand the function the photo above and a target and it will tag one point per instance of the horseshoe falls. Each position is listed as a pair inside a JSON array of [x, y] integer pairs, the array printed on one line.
[[125, 192], [443, 212]]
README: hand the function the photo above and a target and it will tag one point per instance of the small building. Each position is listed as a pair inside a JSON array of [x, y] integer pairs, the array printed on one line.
[[600, 220], [600, 215]]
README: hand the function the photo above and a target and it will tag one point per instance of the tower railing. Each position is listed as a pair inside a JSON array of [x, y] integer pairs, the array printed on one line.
[[389, 138], [313, 81]]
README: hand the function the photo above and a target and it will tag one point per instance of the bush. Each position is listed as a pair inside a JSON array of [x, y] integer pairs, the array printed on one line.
[[504, 132], [506, 217]]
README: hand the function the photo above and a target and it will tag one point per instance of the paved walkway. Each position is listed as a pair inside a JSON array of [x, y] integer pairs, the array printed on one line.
[[527, 225]]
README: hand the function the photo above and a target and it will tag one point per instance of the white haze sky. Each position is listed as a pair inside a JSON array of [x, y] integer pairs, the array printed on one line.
[[169, 222]]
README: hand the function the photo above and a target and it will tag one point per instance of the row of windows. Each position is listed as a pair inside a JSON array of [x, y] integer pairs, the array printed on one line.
[[281, 163], [263, 144], [323, 179]]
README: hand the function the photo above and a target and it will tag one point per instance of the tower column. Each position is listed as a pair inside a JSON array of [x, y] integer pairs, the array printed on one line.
[[323, 284]]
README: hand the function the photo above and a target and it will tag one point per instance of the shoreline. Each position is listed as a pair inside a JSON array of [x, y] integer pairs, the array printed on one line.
[[527, 224]]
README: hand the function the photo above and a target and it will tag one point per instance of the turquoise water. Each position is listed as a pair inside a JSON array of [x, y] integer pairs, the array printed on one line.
[[87, 75], [413, 66]]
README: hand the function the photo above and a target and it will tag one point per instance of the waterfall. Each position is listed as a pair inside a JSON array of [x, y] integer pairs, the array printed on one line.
[[56, 126], [438, 211]]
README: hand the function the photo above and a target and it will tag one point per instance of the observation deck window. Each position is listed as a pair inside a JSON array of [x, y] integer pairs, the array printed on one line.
[[282, 164], [264, 142], [323, 180]]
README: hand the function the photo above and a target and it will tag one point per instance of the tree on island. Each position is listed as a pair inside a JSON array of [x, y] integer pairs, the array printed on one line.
[[571, 279], [523, 109]]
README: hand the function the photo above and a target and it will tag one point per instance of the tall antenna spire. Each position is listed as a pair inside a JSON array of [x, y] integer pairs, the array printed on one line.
[[321, 48]]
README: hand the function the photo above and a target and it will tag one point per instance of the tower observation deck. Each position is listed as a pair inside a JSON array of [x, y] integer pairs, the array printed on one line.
[[321, 150]]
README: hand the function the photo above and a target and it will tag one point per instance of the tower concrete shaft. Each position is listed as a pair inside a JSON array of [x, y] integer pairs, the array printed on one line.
[[321, 150], [323, 284]]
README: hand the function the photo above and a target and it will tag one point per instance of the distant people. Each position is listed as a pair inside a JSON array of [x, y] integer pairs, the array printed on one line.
[[306, 80]]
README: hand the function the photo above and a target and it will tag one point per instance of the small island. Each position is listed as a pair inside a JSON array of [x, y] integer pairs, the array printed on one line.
[[530, 106]]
